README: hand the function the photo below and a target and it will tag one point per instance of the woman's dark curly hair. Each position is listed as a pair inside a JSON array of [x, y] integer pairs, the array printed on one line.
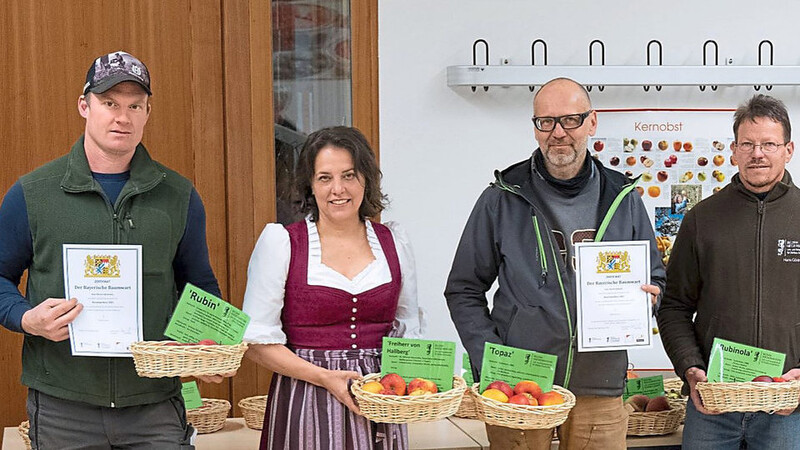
[[364, 162]]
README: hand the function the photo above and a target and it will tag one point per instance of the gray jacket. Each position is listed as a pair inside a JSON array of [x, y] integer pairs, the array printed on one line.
[[507, 238]]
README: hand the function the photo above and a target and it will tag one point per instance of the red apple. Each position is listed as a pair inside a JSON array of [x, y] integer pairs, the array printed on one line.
[[208, 342], [533, 400], [598, 146], [501, 386], [519, 399], [763, 379], [702, 161], [779, 379], [647, 145], [422, 384], [551, 398], [393, 383], [528, 386]]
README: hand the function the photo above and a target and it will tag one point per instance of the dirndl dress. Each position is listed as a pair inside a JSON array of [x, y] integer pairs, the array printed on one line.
[[337, 330]]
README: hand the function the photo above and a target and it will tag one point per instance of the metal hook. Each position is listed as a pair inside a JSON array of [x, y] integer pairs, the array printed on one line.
[[660, 59], [533, 55], [475, 57], [716, 59], [771, 58], [602, 60]]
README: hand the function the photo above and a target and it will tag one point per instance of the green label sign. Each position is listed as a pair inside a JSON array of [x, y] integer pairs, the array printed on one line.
[[466, 369], [200, 315], [418, 358], [191, 395], [649, 386], [513, 365], [734, 362]]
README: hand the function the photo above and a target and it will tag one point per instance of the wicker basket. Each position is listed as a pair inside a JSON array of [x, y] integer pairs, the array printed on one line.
[[156, 359], [210, 417], [253, 411], [657, 422], [676, 384], [749, 396], [523, 417], [467, 408], [407, 408], [23, 429]]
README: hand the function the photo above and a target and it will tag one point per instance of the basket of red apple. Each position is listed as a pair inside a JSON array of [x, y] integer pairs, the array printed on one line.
[[209, 417], [764, 393], [156, 359], [653, 416], [390, 400], [23, 430], [525, 407], [253, 411]]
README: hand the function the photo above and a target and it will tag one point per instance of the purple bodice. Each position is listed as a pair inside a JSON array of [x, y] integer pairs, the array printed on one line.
[[326, 318]]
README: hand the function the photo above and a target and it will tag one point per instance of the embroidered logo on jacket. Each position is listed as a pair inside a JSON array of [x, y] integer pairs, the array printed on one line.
[[789, 250]]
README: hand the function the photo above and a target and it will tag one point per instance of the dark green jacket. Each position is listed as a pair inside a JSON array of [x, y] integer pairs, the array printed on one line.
[[67, 206]]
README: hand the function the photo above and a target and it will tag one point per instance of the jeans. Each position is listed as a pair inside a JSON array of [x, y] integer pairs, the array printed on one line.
[[753, 431]]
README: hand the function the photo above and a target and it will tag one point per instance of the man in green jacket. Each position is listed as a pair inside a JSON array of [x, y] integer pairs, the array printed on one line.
[[106, 191], [734, 274]]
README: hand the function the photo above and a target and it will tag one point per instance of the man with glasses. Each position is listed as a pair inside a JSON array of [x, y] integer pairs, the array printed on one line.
[[736, 265], [521, 233]]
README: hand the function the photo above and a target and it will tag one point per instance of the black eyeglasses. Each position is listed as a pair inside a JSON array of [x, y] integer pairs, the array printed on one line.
[[567, 122], [766, 147]]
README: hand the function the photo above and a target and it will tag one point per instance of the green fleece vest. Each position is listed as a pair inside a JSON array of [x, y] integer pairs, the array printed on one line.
[[67, 206]]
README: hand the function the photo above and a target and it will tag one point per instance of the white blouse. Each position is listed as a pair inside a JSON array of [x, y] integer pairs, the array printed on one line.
[[269, 268]]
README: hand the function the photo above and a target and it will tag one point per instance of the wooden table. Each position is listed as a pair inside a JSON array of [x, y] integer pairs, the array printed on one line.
[[452, 433]]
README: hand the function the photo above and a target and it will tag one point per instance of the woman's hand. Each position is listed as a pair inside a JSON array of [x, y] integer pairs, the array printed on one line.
[[278, 358], [337, 383]]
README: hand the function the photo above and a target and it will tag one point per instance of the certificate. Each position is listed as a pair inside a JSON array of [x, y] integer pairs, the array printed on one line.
[[107, 280], [614, 313]]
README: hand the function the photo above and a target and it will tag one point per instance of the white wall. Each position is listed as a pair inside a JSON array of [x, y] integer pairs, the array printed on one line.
[[440, 145]]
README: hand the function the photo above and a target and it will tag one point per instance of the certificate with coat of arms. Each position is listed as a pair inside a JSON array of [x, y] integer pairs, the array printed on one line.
[[614, 313], [107, 280]]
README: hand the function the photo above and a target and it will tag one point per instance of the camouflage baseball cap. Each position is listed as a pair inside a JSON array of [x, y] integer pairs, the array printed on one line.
[[109, 70]]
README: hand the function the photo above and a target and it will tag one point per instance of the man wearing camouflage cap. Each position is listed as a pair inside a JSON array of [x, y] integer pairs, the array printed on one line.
[[107, 191]]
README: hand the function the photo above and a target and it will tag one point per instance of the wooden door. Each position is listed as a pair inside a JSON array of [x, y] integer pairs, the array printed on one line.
[[211, 119]]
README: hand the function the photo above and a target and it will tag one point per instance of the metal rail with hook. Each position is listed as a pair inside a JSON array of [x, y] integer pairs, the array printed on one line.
[[602, 75]]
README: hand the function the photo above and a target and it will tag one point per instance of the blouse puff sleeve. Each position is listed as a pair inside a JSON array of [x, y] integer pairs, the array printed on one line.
[[266, 280], [409, 319], [269, 268]]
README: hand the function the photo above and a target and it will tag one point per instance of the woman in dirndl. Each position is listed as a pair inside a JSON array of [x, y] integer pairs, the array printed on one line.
[[321, 295]]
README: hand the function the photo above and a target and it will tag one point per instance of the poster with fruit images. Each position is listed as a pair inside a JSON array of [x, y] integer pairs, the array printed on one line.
[[682, 156]]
